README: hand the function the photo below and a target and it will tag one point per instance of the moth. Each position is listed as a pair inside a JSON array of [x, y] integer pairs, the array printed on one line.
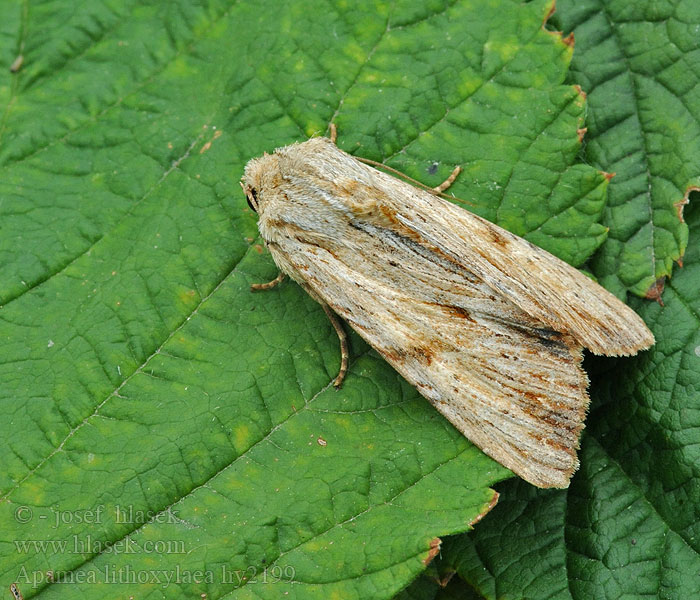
[[487, 326]]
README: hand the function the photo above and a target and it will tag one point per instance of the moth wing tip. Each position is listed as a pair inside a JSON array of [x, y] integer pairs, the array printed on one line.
[[629, 347], [559, 479]]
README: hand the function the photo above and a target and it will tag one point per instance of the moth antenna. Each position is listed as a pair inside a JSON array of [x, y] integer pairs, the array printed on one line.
[[436, 191]]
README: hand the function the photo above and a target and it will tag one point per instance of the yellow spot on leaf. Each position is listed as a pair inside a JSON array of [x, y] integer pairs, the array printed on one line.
[[242, 436]]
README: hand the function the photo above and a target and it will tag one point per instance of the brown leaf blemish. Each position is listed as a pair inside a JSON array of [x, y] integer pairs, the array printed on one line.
[[486, 510], [680, 205], [433, 551], [550, 12], [655, 291]]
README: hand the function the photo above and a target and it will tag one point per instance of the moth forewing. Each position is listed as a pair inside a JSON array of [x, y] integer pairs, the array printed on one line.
[[488, 327], [541, 284]]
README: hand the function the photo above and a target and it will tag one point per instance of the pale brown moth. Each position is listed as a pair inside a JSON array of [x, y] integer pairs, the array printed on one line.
[[487, 326]]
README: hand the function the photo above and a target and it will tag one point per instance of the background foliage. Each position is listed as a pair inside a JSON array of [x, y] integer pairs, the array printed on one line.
[[169, 434]]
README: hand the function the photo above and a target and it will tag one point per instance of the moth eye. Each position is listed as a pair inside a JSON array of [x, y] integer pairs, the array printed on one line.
[[252, 199]]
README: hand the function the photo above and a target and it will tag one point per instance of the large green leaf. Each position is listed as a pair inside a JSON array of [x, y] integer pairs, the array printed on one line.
[[139, 372], [639, 62]]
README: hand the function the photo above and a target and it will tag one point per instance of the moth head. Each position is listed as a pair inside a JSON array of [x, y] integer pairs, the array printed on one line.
[[261, 176]]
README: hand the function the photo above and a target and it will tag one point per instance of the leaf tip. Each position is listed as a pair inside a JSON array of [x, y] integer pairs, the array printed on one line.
[[445, 578], [433, 551], [550, 10], [486, 510]]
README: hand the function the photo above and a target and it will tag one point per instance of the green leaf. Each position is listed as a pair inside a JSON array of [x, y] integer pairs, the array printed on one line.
[[628, 525], [639, 63], [427, 588], [493, 105], [169, 433]]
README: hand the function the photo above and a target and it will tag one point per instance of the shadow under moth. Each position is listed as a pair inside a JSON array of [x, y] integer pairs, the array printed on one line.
[[487, 326]]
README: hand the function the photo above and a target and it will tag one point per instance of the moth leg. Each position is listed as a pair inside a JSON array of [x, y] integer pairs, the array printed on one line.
[[448, 182], [269, 285], [333, 132], [343, 337]]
